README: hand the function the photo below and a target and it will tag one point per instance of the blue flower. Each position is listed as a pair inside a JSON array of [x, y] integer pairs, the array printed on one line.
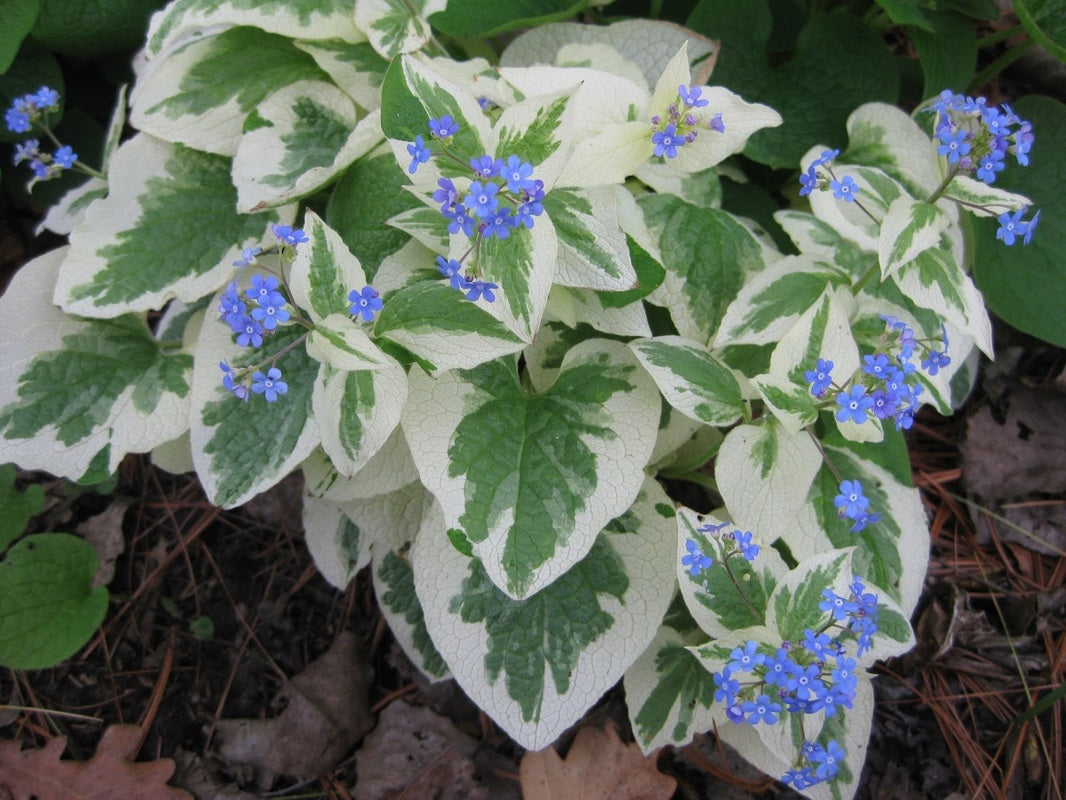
[[691, 97], [854, 405], [1012, 226], [249, 332], [287, 235], [27, 150], [845, 189], [232, 308], [262, 287], [270, 385], [482, 200], [837, 606], [746, 658], [696, 561], [447, 195], [459, 220], [808, 181], [419, 154], [1032, 227], [453, 271], [487, 166], [478, 289], [989, 166], [248, 255], [65, 156], [748, 550], [953, 144], [525, 213], [518, 172], [271, 311], [444, 127], [365, 302], [876, 365], [239, 389], [727, 687], [761, 709], [819, 377], [667, 141], [44, 98], [828, 760], [500, 224], [17, 121], [851, 502]]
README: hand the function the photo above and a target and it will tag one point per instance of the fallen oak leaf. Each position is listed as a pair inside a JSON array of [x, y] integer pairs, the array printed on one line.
[[598, 767], [111, 774], [328, 711]]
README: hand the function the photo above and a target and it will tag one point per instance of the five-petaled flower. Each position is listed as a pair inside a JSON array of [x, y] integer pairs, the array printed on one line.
[[365, 303]]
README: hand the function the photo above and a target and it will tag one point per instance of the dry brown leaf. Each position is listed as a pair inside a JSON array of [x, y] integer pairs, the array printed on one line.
[[328, 712], [414, 754], [110, 774], [104, 532], [598, 767]]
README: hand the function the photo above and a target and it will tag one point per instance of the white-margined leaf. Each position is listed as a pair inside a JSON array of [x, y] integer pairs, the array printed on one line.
[[708, 257], [339, 342], [536, 665], [298, 19], [593, 253], [389, 469], [909, 229], [691, 379], [822, 332], [356, 412], [200, 92], [983, 200], [771, 301], [356, 68], [717, 605], [531, 479], [440, 326], [168, 228], [337, 546], [764, 473], [310, 132], [668, 692], [77, 395], [934, 280], [397, 26], [884, 136]]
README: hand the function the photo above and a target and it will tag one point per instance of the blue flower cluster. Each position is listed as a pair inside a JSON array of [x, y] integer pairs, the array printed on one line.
[[270, 308], [815, 178], [816, 764], [887, 387], [976, 138], [23, 114], [761, 684], [502, 196], [682, 122], [726, 546], [852, 504]]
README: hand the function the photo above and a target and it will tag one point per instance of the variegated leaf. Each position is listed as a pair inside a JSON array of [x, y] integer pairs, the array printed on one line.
[[337, 546], [593, 252], [536, 665], [355, 67], [691, 379], [764, 473], [390, 468], [299, 19], [168, 228], [822, 332], [357, 411], [708, 256], [530, 480], [397, 26], [310, 133], [200, 92], [76, 395], [909, 229]]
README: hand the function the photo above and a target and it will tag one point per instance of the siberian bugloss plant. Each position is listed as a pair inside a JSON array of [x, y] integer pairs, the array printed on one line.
[[483, 307]]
